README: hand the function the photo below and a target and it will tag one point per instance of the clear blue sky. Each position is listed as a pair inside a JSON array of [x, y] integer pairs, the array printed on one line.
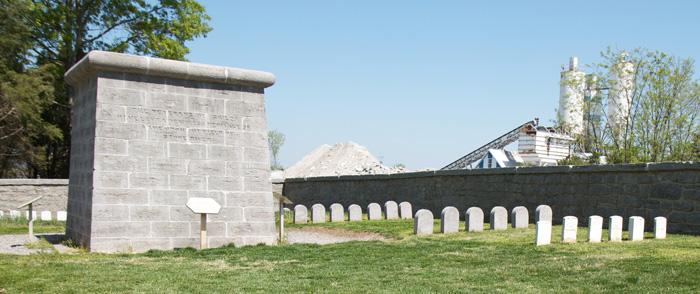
[[425, 82]]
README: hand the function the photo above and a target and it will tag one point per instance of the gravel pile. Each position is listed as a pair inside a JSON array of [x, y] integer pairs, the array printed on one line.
[[340, 159]]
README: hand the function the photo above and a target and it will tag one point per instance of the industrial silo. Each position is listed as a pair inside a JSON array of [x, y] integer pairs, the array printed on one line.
[[621, 94], [571, 98]]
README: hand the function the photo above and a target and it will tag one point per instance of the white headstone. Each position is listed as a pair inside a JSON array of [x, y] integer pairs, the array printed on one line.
[[615, 228], [474, 220], [337, 213], [301, 214], [659, 227], [318, 213], [568, 230], [354, 213], [2, 214], [374, 211], [286, 210], [543, 213], [14, 213], [595, 229], [406, 210], [61, 216], [46, 215], [449, 220], [423, 222], [543, 233], [391, 210], [499, 218], [636, 228], [520, 217]]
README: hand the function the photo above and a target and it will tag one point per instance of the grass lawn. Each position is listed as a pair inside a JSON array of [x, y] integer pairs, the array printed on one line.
[[505, 261], [20, 226]]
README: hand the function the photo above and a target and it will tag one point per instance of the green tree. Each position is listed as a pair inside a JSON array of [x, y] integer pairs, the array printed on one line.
[[65, 31], [275, 140], [25, 93], [663, 119]]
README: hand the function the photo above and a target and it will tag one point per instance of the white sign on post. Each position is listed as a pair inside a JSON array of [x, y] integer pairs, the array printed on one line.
[[203, 206]]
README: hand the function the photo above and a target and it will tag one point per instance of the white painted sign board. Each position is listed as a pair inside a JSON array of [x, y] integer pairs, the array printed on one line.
[[203, 205]]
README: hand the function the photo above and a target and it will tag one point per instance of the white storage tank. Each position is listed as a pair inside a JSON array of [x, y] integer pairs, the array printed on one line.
[[621, 93], [571, 95]]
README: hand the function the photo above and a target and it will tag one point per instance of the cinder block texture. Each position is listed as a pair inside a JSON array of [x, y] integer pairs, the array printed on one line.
[[150, 133]]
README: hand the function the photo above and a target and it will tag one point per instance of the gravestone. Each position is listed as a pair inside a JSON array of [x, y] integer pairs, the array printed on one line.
[[520, 217], [374, 211], [14, 214], [286, 210], [659, 227], [499, 218], [61, 216], [474, 220], [406, 210], [543, 233], [615, 228], [149, 133], [569, 228], [391, 210], [337, 213], [354, 213], [423, 222], [318, 213], [449, 220], [301, 214], [636, 228], [595, 229], [2, 214], [45, 215], [543, 213]]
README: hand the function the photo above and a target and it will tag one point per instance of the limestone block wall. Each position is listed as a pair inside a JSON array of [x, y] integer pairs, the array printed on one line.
[[150, 133], [14, 192], [671, 190]]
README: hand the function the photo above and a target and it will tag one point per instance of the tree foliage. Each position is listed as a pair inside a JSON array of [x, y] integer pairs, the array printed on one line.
[[53, 35], [663, 120], [275, 140]]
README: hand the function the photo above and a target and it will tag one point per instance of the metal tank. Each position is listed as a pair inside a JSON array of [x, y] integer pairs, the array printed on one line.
[[620, 95], [571, 98]]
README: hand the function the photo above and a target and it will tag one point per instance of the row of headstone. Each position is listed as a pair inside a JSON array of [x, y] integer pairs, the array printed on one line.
[[43, 215], [403, 210], [473, 219], [543, 233]]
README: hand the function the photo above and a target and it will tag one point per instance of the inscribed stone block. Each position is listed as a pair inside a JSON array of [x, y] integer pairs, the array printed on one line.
[[636, 228], [520, 217], [660, 227], [543, 233], [337, 213], [449, 220], [318, 213], [474, 219], [595, 228], [14, 214], [406, 210], [615, 228], [499, 218], [423, 222], [569, 228], [301, 214], [354, 212], [391, 210], [61, 216], [543, 213], [374, 211]]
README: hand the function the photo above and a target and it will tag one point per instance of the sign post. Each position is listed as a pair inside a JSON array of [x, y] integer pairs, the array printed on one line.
[[282, 201], [30, 211], [203, 206]]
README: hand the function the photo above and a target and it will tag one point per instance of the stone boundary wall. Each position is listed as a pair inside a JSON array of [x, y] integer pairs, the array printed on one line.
[[671, 190], [14, 192]]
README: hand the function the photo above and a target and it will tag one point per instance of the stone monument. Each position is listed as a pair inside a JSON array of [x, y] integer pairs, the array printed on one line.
[[150, 133]]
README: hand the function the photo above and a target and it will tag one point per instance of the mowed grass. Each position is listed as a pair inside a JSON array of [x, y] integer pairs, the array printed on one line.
[[503, 261], [20, 226]]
